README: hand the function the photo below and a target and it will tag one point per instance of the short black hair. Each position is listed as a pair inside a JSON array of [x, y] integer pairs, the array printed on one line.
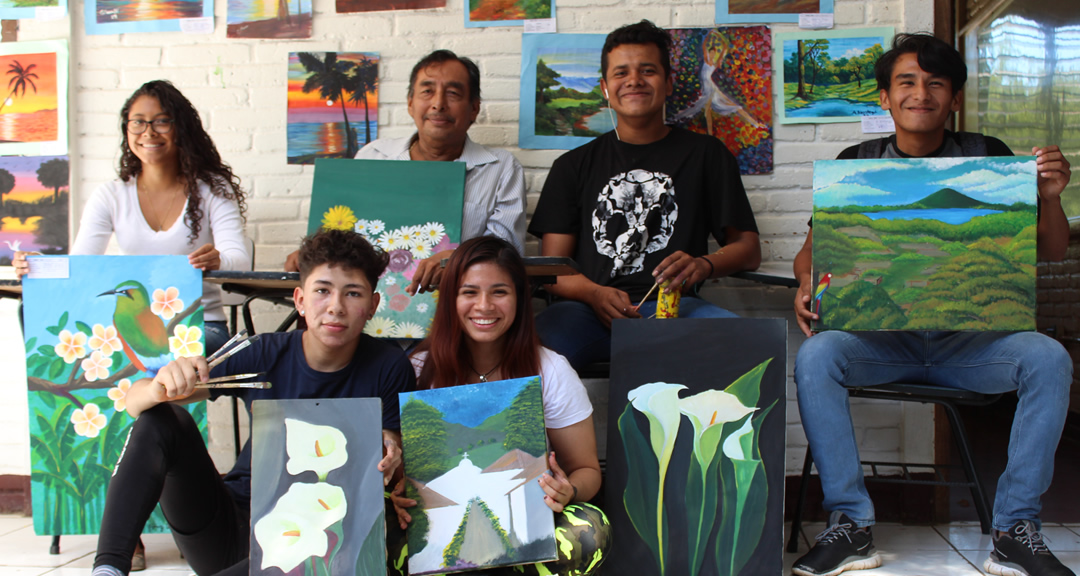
[[933, 55], [343, 248], [441, 56], [643, 32]]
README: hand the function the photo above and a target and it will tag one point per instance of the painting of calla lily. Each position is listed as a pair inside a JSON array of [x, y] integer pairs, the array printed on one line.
[[314, 447], [703, 499], [332, 526]]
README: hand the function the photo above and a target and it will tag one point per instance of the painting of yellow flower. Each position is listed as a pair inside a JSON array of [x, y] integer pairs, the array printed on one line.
[[339, 218]]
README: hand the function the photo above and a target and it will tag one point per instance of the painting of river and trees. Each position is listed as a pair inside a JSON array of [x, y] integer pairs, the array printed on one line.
[[473, 455], [925, 244], [829, 76], [33, 205], [562, 105]]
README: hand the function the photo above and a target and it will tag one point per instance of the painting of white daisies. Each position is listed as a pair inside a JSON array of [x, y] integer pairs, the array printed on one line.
[[411, 210], [90, 333]]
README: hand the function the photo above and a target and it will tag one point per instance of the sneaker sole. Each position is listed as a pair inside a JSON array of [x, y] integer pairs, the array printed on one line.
[[857, 564], [1006, 569]]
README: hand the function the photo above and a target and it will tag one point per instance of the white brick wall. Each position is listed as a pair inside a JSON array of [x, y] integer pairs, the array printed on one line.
[[239, 87]]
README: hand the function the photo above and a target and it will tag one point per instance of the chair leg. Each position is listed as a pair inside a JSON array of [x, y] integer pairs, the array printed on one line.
[[796, 514], [236, 425], [977, 493]]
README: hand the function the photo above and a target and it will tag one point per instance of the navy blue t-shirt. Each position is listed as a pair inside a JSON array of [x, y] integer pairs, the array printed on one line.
[[379, 369]]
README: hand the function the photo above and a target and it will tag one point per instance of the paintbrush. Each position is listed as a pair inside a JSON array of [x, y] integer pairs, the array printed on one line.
[[242, 334], [233, 351], [258, 385], [647, 294], [234, 377]]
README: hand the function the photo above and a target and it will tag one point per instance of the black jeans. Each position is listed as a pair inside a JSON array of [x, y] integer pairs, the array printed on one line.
[[165, 460]]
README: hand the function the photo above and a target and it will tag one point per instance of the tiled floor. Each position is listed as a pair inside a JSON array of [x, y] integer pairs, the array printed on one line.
[[949, 550]]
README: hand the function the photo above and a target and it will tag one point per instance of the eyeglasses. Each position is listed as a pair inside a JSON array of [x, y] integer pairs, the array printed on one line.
[[161, 125]]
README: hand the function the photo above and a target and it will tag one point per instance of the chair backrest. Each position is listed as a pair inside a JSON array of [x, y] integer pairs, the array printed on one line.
[[232, 299]]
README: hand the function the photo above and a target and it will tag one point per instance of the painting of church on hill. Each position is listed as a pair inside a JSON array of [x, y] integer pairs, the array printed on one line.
[[473, 455], [925, 244]]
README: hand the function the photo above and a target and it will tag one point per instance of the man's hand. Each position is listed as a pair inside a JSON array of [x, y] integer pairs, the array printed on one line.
[[22, 267], [178, 378], [803, 315], [611, 303], [292, 262], [558, 491], [391, 456], [683, 270], [1054, 171], [428, 273], [401, 503]]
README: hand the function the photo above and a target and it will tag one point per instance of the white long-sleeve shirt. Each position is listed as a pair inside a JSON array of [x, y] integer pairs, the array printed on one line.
[[114, 208]]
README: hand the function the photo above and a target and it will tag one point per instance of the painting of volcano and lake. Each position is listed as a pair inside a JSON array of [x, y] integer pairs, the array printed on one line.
[[925, 244], [473, 455]]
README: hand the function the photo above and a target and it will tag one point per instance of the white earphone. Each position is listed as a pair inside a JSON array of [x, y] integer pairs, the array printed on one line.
[[605, 94]]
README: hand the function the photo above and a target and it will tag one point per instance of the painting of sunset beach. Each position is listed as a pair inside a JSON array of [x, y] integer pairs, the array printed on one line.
[[33, 205], [131, 16], [333, 105], [33, 101], [269, 19]]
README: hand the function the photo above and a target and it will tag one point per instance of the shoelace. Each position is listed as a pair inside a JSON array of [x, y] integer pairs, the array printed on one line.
[[1032, 539], [834, 532]]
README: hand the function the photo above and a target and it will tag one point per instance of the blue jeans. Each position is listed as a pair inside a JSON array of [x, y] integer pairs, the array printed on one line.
[[216, 335], [572, 329], [1034, 365]]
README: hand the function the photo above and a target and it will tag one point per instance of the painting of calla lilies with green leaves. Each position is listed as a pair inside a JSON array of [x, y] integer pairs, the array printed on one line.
[[93, 327], [316, 495], [696, 446]]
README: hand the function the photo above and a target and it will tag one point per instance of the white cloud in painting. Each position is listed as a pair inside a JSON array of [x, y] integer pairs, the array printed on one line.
[[852, 53], [842, 194], [994, 186]]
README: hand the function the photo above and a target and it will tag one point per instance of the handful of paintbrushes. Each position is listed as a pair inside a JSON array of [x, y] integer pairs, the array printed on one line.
[[235, 344]]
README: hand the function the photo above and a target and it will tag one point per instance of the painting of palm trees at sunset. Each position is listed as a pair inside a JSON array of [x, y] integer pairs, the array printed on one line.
[[333, 104], [33, 98]]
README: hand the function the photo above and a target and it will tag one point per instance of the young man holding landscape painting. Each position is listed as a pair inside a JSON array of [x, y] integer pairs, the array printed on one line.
[[920, 80], [636, 206], [165, 459]]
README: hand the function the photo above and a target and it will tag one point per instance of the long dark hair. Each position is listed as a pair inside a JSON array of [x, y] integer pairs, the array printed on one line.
[[447, 362], [199, 158]]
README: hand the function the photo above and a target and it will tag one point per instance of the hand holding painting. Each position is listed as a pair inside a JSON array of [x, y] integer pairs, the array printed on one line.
[[401, 503], [392, 462], [558, 491]]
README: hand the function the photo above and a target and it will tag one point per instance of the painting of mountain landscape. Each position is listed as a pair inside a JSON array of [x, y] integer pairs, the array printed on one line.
[[925, 244], [473, 455]]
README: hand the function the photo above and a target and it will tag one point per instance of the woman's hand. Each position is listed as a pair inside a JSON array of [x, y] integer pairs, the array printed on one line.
[[558, 491], [400, 502], [22, 267], [205, 258]]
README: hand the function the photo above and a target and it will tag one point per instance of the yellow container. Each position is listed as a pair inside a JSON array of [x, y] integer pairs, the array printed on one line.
[[667, 303]]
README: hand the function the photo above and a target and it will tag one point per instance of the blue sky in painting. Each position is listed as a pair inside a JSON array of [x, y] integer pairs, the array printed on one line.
[[580, 69], [890, 182], [471, 405], [838, 47]]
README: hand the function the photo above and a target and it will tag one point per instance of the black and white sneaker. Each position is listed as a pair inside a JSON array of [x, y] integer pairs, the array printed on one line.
[[841, 547], [1022, 552]]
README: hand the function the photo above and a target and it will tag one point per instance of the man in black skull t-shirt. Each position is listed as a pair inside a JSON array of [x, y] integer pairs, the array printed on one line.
[[636, 206]]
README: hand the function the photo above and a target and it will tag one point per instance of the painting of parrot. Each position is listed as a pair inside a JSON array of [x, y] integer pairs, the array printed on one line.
[[822, 286], [143, 334]]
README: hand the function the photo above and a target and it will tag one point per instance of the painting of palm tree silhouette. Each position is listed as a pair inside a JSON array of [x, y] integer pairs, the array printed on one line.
[[33, 205], [28, 110], [21, 77], [322, 88]]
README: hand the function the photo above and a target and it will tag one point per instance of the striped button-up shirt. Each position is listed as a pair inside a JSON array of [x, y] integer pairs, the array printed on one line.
[[494, 187]]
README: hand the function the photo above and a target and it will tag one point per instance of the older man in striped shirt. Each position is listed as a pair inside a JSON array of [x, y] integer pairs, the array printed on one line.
[[444, 100]]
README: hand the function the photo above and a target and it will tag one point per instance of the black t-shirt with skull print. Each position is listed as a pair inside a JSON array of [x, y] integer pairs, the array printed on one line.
[[630, 206]]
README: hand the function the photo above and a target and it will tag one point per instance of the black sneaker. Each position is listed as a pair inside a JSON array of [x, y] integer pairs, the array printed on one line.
[[1022, 552], [843, 546]]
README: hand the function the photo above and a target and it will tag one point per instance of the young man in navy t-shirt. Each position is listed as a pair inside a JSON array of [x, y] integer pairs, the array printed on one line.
[[165, 459]]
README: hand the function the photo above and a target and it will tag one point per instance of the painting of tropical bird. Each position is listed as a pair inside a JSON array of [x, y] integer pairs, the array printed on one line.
[[143, 333], [822, 286]]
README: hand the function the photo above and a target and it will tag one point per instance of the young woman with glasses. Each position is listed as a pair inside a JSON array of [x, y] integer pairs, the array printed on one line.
[[174, 196]]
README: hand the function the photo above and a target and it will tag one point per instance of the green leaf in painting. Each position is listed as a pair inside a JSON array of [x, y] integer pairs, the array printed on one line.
[[84, 328], [56, 368], [196, 319], [642, 483], [372, 556], [47, 351], [63, 321], [48, 400], [30, 344], [54, 330], [745, 491], [748, 387]]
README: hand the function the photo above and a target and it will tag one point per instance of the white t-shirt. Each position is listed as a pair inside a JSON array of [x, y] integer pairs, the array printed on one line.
[[114, 208], [565, 400]]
